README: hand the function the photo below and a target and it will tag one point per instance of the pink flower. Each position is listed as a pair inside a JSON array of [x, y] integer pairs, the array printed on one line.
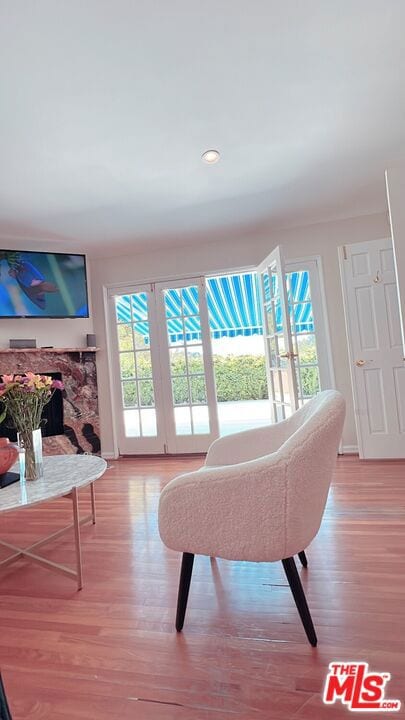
[[8, 379], [57, 385]]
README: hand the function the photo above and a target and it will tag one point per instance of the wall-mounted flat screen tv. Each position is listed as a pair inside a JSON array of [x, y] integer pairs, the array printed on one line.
[[42, 285]]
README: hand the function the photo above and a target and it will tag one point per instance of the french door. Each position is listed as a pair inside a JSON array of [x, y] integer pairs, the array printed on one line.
[[163, 371], [280, 352]]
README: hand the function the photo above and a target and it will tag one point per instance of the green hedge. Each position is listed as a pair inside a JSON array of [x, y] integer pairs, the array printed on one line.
[[240, 377], [237, 377]]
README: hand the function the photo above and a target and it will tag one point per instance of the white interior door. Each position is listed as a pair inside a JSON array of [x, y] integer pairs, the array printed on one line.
[[187, 371], [375, 347], [280, 354]]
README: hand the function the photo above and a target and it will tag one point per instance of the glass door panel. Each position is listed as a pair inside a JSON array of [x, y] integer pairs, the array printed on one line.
[[280, 354], [307, 329], [187, 370], [136, 372]]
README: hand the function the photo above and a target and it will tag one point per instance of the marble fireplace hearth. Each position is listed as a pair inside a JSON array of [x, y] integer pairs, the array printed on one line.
[[77, 366]]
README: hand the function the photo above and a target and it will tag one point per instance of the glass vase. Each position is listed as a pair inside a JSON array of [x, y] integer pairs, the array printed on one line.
[[30, 445]]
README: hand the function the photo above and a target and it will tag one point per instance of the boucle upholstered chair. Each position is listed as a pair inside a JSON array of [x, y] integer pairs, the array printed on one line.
[[260, 497]]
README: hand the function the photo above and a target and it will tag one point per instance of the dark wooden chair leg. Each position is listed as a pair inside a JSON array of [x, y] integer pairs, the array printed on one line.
[[300, 599], [4, 708], [184, 587], [303, 558]]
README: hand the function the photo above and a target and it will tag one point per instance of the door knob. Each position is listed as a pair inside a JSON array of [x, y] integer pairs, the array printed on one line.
[[360, 363]]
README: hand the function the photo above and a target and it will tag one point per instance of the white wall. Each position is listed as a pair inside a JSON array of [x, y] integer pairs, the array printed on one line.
[[322, 239], [59, 333], [395, 178]]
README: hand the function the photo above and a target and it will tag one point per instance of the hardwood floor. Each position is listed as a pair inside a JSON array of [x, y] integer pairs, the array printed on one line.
[[110, 651]]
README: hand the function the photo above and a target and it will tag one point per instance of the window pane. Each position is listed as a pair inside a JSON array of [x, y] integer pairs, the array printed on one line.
[[198, 391], [201, 423], [270, 319], [284, 385], [189, 297], [272, 352], [141, 335], [129, 394], [127, 365], [146, 395], [172, 301], [144, 364], [125, 338], [175, 331], [131, 423], [278, 315], [123, 308], [182, 420], [277, 386], [303, 318], [177, 361], [180, 391], [298, 283], [148, 418], [307, 349], [266, 286], [195, 359], [139, 306], [274, 289], [192, 326], [310, 381], [282, 361]]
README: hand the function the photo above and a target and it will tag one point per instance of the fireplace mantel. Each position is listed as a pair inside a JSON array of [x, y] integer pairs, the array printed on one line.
[[57, 351], [77, 367]]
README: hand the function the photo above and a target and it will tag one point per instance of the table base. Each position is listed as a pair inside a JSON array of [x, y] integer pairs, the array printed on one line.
[[75, 525]]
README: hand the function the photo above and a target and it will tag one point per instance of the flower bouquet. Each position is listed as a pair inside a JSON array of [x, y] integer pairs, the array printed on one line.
[[23, 398]]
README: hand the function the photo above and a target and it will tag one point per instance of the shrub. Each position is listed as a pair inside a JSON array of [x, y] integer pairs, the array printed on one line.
[[237, 377]]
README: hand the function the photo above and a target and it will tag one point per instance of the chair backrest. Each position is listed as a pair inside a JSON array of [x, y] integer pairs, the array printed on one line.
[[310, 455]]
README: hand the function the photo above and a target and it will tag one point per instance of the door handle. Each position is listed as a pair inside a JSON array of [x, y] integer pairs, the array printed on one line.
[[360, 363], [288, 355]]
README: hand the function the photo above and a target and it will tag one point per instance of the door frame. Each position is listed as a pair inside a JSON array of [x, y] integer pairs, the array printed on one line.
[[119, 287]]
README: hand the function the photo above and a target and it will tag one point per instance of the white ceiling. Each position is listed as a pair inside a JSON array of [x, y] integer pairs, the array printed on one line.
[[107, 105]]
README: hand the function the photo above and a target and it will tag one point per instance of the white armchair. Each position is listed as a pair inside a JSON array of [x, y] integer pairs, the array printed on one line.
[[260, 496]]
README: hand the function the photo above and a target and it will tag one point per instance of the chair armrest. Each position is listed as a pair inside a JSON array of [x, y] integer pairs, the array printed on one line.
[[248, 444]]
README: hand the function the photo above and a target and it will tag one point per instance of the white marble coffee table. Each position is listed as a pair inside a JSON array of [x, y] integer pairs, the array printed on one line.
[[63, 476]]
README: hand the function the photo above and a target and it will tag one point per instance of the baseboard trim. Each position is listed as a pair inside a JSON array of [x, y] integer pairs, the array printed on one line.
[[109, 456], [350, 450]]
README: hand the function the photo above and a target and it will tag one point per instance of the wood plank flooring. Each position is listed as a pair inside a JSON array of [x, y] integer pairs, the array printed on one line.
[[111, 652]]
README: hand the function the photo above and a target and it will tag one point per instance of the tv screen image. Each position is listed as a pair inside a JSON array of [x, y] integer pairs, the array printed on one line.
[[39, 284]]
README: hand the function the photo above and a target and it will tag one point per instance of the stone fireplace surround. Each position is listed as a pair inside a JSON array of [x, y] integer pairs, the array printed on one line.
[[80, 396]]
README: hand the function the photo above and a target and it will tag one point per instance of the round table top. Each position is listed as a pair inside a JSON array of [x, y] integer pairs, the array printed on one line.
[[61, 474]]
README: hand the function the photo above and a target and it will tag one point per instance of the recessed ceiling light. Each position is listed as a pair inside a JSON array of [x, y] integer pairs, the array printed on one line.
[[210, 156]]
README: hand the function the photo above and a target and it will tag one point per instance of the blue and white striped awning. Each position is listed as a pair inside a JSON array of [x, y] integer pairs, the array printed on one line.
[[233, 308]]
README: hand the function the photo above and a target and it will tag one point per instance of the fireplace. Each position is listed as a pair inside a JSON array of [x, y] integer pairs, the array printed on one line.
[[73, 424]]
